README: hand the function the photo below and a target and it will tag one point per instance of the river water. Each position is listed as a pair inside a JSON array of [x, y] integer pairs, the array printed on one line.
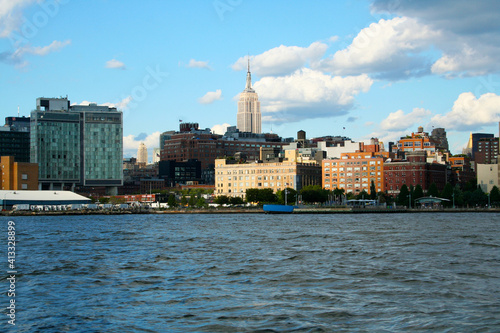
[[255, 272]]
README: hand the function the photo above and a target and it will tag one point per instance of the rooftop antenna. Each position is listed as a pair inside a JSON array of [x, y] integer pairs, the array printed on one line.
[[18, 111]]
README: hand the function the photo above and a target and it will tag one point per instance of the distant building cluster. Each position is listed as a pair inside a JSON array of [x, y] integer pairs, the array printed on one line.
[[80, 148]]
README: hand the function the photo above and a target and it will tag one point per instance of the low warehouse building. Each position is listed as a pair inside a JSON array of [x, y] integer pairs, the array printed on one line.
[[40, 198]]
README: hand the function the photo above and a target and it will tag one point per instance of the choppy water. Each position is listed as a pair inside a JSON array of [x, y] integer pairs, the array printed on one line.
[[243, 273]]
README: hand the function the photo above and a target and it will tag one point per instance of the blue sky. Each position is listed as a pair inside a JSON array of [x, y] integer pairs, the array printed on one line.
[[377, 68]]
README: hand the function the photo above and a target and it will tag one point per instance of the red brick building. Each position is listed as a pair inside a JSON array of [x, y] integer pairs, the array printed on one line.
[[487, 151], [413, 171]]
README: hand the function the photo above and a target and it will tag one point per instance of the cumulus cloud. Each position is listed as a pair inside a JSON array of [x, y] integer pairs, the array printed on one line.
[[113, 63], [469, 32], [399, 120], [131, 143], [198, 64], [220, 129], [282, 60], [308, 94], [470, 113], [211, 97], [388, 49]]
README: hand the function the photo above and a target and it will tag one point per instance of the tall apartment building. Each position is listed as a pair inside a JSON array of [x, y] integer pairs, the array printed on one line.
[[249, 117], [354, 172], [18, 175], [473, 146], [487, 151], [233, 179], [15, 138], [76, 145]]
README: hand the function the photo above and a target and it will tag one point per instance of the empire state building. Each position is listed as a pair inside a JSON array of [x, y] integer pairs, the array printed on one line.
[[249, 117]]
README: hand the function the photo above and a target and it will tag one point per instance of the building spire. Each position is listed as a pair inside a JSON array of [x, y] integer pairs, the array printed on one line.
[[248, 87]]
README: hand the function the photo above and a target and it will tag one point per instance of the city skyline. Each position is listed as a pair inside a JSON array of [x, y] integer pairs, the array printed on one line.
[[376, 68]]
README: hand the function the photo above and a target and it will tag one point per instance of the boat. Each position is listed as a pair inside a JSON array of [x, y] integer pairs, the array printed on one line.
[[278, 209]]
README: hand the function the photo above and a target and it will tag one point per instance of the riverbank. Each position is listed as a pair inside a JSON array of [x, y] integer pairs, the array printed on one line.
[[256, 210]]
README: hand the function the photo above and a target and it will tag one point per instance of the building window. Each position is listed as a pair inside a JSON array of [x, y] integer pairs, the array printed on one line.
[[24, 186], [24, 176]]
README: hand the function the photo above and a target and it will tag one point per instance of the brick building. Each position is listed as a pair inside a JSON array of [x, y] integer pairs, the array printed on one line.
[[487, 151], [354, 172], [18, 175], [233, 179], [413, 171]]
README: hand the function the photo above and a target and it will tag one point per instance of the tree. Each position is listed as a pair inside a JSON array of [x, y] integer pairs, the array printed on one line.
[[171, 201], [458, 196], [478, 198], [433, 191], [222, 200], [314, 193], [402, 199], [236, 201], [495, 196], [184, 201], [192, 200], [363, 195], [290, 196], [447, 194], [373, 191], [201, 202], [252, 194], [418, 192]]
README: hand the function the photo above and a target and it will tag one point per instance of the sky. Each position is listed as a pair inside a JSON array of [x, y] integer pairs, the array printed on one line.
[[355, 68]]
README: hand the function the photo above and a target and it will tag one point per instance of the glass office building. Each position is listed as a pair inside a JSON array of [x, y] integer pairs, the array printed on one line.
[[79, 145]]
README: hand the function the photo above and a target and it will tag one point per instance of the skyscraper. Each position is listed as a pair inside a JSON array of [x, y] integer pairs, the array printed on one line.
[[142, 154], [249, 116], [76, 144]]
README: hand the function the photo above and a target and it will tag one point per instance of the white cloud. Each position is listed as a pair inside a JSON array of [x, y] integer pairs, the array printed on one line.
[[113, 63], [470, 113], [119, 105], [11, 15], [388, 49], [399, 120], [469, 32], [198, 64], [281, 60], [211, 97], [308, 94], [131, 144], [17, 57], [220, 129]]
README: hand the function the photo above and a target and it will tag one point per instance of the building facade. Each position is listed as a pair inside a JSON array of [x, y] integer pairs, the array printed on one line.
[[18, 175], [487, 151], [78, 145], [174, 172], [415, 142], [15, 138], [461, 170], [249, 117], [233, 179], [412, 172], [195, 144], [354, 172], [142, 154]]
